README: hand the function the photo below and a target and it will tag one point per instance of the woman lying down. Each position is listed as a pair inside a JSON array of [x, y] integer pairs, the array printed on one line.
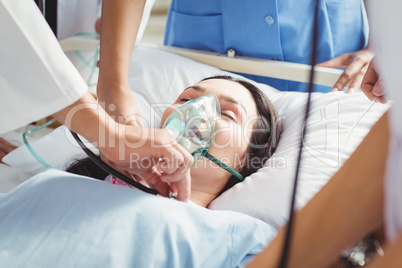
[[59, 219]]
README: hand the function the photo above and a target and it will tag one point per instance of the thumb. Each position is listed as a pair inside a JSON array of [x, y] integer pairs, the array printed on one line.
[[378, 89]]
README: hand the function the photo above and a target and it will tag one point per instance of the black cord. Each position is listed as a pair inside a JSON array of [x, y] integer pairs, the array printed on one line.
[[97, 160], [288, 235]]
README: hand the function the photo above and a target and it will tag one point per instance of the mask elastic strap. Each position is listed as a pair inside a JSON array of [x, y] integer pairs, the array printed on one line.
[[220, 164]]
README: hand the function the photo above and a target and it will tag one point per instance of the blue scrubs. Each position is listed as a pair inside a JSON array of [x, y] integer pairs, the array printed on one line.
[[269, 29]]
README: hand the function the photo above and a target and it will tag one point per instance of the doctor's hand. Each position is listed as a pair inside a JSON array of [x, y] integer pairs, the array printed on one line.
[[371, 85], [154, 156], [119, 103], [98, 25], [5, 148], [356, 64]]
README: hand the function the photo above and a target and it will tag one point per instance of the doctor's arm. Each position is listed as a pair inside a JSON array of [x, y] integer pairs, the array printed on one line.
[[120, 23], [53, 81], [393, 255], [128, 145], [345, 210]]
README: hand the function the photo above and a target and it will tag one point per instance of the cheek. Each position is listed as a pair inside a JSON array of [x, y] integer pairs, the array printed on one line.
[[230, 136], [225, 139], [230, 143]]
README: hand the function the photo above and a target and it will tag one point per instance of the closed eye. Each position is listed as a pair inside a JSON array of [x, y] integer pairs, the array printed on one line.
[[184, 99], [228, 116]]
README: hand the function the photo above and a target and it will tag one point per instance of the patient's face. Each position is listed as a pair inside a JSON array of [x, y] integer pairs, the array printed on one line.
[[238, 113]]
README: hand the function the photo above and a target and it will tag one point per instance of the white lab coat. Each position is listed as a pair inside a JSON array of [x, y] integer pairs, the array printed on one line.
[[386, 37], [36, 78]]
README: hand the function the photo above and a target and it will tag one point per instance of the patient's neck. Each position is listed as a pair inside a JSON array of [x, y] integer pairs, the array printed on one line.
[[201, 198]]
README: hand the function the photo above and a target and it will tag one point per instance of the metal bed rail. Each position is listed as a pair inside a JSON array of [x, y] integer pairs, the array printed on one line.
[[270, 68]]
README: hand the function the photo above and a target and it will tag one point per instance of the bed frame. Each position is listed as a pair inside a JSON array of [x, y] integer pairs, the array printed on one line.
[[270, 68]]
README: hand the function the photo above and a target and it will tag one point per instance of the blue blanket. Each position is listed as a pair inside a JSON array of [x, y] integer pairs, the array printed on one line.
[[57, 219]]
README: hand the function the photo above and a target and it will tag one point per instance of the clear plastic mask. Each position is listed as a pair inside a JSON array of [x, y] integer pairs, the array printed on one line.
[[195, 124]]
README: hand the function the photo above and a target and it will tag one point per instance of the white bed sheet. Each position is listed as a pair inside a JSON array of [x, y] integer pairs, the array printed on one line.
[[57, 219], [10, 176]]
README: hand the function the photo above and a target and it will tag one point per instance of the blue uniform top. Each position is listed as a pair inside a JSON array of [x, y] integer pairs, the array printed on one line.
[[269, 29]]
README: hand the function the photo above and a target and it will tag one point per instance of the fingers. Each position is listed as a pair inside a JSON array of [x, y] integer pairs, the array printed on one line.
[[175, 158], [174, 171], [170, 165], [340, 61], [371, 82], [5, 148], [357, 67], [180, 178], [154, 181], [356, 82], [98, 25], [2, 155], [160, 161], [381, 99], [182, 187], [176, 162], [379, 91]]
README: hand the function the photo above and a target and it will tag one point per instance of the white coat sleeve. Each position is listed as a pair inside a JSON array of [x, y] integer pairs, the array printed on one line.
[[36, 78]]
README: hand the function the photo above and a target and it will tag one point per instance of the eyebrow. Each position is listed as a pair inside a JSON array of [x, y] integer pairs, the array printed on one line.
[[196, 88], [231, 100], [225, 98]]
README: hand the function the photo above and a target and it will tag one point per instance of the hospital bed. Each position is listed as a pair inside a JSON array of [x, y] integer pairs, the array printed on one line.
[[157, 74], [338, 124]]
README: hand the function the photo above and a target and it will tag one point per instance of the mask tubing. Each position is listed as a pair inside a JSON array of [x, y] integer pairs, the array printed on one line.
[[97, 160], [24, 137], [224, 166]]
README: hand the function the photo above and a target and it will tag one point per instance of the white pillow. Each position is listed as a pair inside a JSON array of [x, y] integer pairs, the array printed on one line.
[[266, 194], [157, 78]]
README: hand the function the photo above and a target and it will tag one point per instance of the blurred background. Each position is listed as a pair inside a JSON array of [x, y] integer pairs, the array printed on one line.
[[156, 25]]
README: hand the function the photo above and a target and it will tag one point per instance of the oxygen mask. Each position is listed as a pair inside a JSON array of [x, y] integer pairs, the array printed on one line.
[[195, 124]]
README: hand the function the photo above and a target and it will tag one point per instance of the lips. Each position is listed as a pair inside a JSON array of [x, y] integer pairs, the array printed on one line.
[[196, 132]]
